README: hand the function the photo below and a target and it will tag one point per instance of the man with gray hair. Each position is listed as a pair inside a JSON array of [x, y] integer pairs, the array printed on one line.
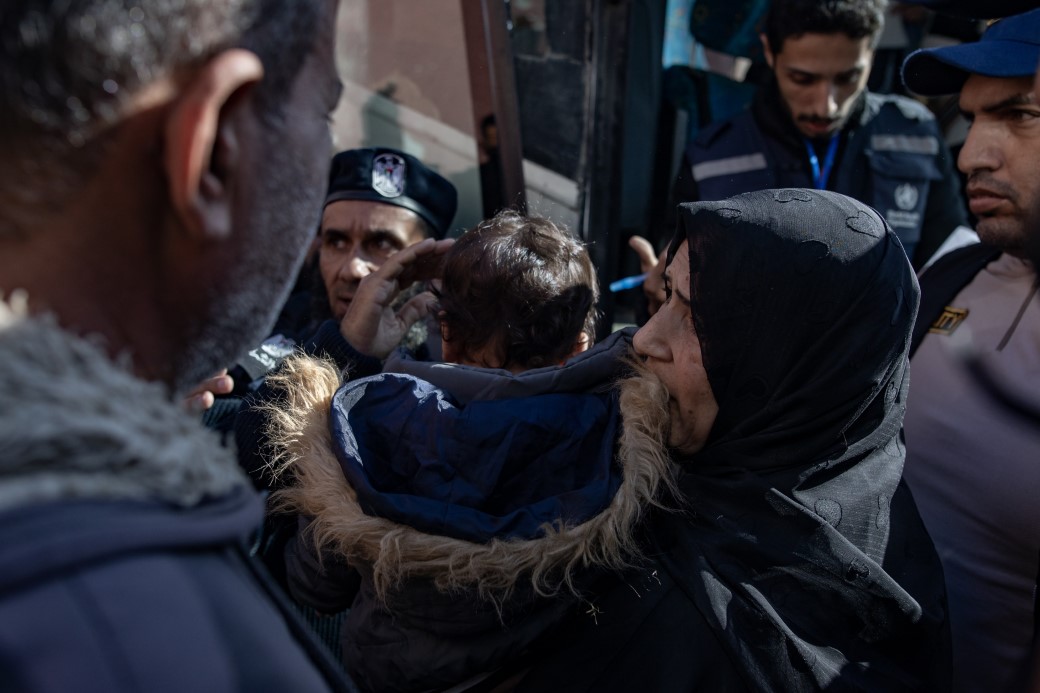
[[161, 176]]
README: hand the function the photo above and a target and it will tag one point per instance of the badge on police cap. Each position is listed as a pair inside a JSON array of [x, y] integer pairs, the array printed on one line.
[[388, 172]]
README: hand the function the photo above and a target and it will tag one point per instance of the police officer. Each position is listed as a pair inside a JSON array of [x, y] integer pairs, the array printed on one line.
[[379, 201], [814, 125]]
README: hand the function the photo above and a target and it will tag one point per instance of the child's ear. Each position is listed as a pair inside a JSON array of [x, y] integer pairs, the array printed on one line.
[[582, 344], [449, 350]]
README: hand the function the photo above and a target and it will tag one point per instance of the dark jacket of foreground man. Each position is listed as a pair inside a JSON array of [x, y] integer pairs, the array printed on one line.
[[122, 530]]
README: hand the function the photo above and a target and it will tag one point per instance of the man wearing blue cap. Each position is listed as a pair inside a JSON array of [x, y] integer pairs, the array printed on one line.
[[971, 465]]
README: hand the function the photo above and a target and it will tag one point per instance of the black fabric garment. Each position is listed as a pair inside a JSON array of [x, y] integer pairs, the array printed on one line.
[[806, 551], [797, 560], [640, 631]]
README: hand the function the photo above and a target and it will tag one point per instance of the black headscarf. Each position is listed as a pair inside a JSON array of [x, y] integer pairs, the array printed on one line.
[[805, 550]]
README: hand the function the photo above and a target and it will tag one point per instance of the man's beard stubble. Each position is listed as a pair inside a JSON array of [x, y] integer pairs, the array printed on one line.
[[243, 307], [1013, 235]]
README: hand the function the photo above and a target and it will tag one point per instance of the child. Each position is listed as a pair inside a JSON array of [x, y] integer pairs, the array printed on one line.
[[457, 508], [518, 293]]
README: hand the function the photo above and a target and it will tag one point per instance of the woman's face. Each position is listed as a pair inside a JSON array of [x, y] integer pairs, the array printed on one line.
[[669, 347]]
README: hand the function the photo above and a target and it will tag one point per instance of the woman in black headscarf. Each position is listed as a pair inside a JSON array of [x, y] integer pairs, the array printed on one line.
[[797, 560]]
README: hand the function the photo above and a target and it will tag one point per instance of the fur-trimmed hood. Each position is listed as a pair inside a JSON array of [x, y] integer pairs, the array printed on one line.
[[395, 550], [436, 608], [74, 425]]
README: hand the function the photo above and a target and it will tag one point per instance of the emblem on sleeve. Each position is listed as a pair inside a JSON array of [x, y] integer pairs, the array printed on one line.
[[949, 321], [906, 197], [388, 171]]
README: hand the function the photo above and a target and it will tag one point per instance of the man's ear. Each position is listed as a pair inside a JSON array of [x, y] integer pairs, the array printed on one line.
[[767, 50], [203, 142]]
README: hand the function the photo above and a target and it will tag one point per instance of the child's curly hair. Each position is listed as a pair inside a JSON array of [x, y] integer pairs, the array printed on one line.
[[520, 288]]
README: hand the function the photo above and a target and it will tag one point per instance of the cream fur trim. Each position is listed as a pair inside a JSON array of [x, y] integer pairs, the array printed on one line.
[[76, 425], [300, 435]]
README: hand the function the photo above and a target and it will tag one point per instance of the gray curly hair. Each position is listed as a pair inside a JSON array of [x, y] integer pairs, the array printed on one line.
[[68, 68]]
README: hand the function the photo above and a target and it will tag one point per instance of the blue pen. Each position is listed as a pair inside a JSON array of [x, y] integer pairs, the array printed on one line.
[[627, 282]]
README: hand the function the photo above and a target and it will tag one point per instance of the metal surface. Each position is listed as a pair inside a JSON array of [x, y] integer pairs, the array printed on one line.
[[600, 170], [493, 83]]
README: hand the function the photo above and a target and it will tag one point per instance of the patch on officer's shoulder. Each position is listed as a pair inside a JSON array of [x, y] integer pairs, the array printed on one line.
[[949, 321]]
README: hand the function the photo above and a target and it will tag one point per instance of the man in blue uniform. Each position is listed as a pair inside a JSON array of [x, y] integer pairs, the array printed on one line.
[[814, 125]]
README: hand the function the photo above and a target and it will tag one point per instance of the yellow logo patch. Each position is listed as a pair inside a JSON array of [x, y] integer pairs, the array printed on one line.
[[949, 321]]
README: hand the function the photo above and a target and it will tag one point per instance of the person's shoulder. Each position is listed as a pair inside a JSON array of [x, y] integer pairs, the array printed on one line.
[[967, 259], [39, 540], [108, 590], [943, 278], [715, 131], [141, 596], [895, 105], [296, 315]]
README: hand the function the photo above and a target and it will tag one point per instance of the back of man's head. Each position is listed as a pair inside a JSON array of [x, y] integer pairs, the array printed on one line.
[[856, 19], [518, 293], [69, 71], [152, 188]]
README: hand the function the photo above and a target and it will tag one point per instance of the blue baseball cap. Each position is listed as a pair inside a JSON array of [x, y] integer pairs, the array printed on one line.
[[392, 177], [977, 9], [1009, 48]]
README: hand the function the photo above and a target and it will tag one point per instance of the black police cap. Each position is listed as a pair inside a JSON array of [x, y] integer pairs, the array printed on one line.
[[381, 174]]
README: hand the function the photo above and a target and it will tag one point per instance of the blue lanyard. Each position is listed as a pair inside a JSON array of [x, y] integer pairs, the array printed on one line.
[[819, 178]]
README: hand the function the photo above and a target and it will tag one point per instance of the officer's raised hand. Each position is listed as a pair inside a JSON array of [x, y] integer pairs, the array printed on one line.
[[371, 325]]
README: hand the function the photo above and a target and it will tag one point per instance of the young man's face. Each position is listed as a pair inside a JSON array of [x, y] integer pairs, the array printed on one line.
[[820, 76], [1000, 159]]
